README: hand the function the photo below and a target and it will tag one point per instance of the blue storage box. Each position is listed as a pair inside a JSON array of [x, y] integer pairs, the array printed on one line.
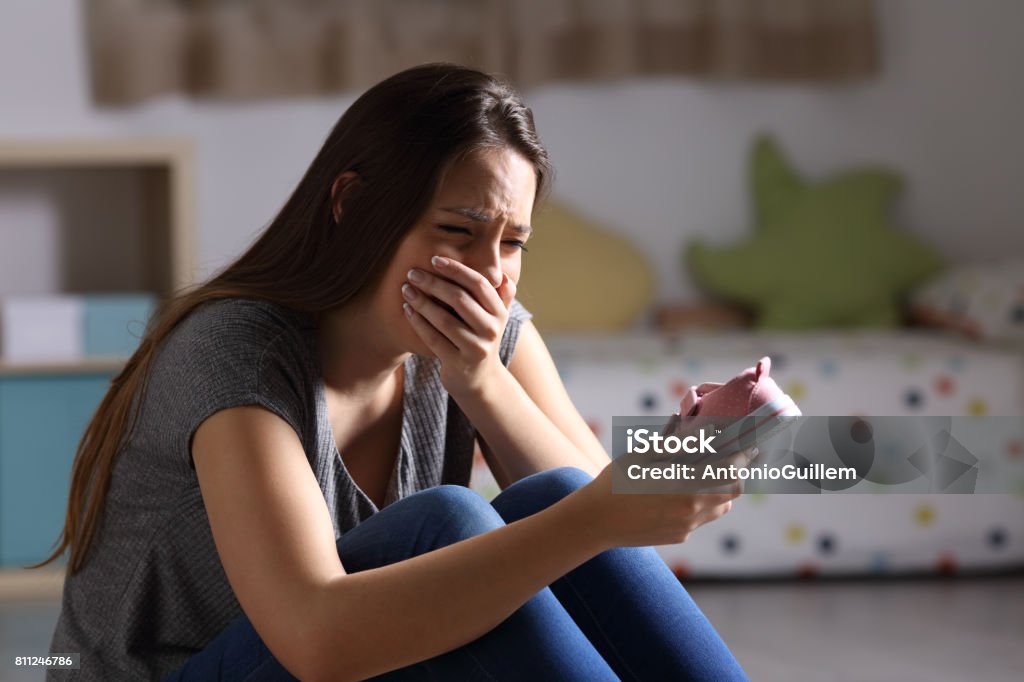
[[115, 323], [42, 419]]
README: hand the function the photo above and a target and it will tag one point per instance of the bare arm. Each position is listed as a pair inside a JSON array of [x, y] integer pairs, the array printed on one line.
[[515, 432], [276, 542], [520, 437]]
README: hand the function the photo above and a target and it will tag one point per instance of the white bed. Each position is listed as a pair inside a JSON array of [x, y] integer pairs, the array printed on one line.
[[835, 373]]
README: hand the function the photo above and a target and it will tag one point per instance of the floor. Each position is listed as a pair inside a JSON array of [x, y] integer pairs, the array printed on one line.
[[934, 630]]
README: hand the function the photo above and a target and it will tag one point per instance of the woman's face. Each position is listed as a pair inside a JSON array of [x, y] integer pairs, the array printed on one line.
[[480, 216]]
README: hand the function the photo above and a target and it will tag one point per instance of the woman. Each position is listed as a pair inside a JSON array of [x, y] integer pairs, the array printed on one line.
[[290, 498]]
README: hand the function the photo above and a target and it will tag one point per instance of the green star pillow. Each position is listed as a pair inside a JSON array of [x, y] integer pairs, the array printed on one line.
[[823, 254]]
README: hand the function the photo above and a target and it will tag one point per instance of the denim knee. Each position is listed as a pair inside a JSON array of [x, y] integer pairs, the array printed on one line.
[[553, 484], [538, 491], [454, 513]]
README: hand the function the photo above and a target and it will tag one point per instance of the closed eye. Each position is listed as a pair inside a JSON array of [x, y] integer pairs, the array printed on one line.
[[454, 229]]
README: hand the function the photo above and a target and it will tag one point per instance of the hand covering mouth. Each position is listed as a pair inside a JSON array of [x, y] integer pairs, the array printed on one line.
[[449, 309]]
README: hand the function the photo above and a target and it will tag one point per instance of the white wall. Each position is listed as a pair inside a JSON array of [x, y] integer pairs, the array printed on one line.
[[661, 159]]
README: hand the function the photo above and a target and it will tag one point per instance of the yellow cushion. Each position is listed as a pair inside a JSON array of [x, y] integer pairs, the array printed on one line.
[[580, 276]]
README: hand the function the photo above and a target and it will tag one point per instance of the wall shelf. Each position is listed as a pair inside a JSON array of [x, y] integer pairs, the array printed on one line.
[[126, 206], [87, 366], [37, 583]]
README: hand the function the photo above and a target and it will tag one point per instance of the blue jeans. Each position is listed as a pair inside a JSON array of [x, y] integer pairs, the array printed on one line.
[[621, 615]]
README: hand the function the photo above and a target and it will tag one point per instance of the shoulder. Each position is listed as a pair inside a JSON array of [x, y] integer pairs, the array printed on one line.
[[233, 352], [517, 312], [518, 315], [235, 335], [241, 318]]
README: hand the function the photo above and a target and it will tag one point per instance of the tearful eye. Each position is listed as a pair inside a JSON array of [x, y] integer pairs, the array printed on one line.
[[453, 229], [518, 244]]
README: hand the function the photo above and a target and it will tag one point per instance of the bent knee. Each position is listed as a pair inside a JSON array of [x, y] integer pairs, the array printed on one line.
[[456, 512], [556, 483]]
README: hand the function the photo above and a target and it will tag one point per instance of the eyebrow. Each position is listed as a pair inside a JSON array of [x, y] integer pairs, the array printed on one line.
[[480, 216]]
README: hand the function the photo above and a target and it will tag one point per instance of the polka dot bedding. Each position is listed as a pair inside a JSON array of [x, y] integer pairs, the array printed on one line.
[[837, 373]]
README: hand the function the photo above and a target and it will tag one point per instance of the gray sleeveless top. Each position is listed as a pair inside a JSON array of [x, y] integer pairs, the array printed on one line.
[[153, 591]]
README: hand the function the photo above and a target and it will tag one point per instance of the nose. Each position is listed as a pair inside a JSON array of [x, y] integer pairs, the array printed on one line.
[[488, 263]]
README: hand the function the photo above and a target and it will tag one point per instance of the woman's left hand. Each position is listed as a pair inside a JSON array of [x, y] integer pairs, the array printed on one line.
[[467, 347]]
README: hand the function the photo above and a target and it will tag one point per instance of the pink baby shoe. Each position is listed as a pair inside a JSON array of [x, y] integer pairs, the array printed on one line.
[[751, 405]]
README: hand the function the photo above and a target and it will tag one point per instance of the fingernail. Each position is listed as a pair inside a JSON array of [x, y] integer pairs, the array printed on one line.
[[439, 261], [408, 309], [408, 292], [415, 275]]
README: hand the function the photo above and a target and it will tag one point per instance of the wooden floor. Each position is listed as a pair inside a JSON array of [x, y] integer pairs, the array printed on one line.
[[934, 630]]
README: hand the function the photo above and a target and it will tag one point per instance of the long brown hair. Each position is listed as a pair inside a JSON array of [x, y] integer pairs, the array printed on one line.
[[400, 137]]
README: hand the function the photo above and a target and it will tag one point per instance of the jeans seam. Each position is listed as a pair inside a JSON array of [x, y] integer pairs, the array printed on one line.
[[479, 665], [597, 626]]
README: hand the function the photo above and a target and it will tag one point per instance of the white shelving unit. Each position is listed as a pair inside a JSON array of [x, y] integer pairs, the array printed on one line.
[[119, 218], [127, 218]]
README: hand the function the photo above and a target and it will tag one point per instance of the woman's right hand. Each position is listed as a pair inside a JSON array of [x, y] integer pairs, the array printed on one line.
[[639, 519]]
